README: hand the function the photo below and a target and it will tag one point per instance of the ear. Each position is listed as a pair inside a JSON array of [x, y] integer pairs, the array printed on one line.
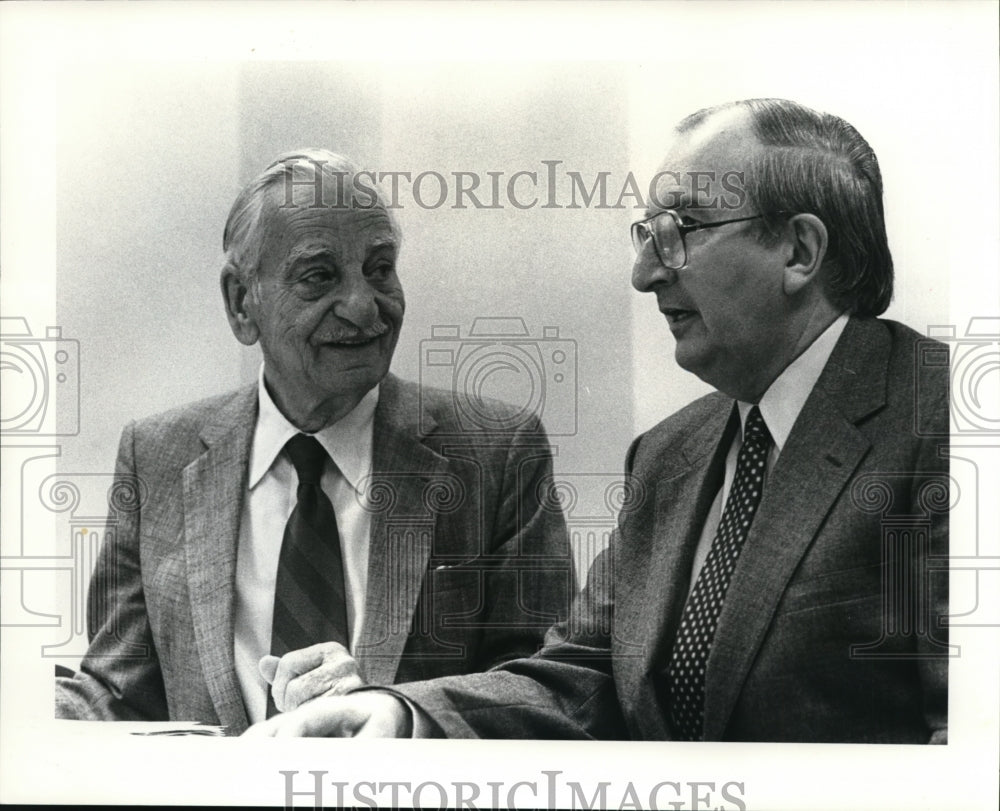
[[236, 296], [808, 241]]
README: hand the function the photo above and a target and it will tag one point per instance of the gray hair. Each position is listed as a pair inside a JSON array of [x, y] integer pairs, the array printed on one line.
[[819, 164], [242, 239]]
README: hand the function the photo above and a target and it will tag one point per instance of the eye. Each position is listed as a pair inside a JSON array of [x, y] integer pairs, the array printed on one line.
[[316, 275], [380, 270]]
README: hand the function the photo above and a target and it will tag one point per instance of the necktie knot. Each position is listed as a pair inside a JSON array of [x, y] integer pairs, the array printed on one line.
[[308, 456], [755, 430]]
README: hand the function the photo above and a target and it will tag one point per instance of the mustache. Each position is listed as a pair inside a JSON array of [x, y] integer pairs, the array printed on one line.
[[356, 336]]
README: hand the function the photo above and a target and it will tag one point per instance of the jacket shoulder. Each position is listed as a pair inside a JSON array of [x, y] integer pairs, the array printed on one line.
[[192, 417], [172, 439], [920, 376], [669, 434]]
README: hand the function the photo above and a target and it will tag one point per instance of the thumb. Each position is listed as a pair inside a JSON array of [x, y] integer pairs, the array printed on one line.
[[268, 667]]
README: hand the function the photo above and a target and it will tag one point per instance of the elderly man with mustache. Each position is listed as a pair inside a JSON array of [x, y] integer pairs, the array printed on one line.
[[330, 525]]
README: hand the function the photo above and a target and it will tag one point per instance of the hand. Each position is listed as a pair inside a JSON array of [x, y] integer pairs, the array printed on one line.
[[369, 714], [326, 669]]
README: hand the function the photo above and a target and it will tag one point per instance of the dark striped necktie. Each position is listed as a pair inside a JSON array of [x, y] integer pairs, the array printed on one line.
[[688, 662], [310, 605]]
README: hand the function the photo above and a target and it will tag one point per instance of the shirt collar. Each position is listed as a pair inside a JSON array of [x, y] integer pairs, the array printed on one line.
[[784, 398], [348, 441]]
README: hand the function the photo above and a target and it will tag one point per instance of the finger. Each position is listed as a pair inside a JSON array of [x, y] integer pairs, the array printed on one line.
[[293, 664], [335, 716], [331, 678], [268, 666], [303, 660], [291, 726], [264, 729]]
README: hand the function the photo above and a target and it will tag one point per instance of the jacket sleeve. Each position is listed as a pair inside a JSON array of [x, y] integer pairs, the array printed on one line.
[[566, 691], [528, 572], [119, 678]]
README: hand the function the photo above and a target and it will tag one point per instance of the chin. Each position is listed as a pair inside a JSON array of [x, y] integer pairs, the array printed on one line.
[[360, 377], [700, 365], [688, 358]]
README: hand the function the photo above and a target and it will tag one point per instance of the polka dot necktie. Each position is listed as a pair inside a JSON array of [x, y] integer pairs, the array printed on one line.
[[309, 597], [686, 672]]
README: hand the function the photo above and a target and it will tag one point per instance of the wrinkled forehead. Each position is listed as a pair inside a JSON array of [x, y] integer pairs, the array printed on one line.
[[314, 184], [337, 201], [346, 232], [706, 167]]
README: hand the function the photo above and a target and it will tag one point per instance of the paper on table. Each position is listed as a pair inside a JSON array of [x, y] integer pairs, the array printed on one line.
[[117, 728]]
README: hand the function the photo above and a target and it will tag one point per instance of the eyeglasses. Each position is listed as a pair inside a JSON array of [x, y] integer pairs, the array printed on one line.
[[667, 232]]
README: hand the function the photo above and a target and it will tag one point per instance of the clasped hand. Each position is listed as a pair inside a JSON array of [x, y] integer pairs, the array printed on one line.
[[309, 687], [368, 714], [325, 669]]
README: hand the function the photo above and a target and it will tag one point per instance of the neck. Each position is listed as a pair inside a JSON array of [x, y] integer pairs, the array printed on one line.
[[799, 337], [310, 415], [817, 322]]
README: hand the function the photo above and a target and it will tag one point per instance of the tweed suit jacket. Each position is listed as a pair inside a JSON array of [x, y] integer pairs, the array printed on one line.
[[466, 568], [832, 626]]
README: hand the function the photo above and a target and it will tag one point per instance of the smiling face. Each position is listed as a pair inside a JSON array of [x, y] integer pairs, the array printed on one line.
[[326, 305], [726, 308]]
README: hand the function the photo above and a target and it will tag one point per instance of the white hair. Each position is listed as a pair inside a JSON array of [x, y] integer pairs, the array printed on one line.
[[242, 239]]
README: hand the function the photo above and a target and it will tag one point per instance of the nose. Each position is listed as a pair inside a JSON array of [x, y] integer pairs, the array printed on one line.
[[648, 271], [355, 300]]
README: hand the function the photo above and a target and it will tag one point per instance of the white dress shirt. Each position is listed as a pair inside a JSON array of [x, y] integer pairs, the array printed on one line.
[[780, 407], [271, 497]]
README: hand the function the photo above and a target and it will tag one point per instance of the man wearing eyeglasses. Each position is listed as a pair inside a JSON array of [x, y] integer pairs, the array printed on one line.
[[783, 580]]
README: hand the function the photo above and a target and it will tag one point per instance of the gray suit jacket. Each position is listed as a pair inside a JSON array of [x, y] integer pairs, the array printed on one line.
[[832, 629], [466, 568]]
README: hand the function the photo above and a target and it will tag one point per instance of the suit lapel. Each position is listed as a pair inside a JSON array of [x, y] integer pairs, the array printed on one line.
[[214, 489], [823, 450], [402, 528], [690, 480]]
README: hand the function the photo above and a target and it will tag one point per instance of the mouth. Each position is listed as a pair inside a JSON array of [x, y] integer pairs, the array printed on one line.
[[676, 315], [358, 338], [348, 343]]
